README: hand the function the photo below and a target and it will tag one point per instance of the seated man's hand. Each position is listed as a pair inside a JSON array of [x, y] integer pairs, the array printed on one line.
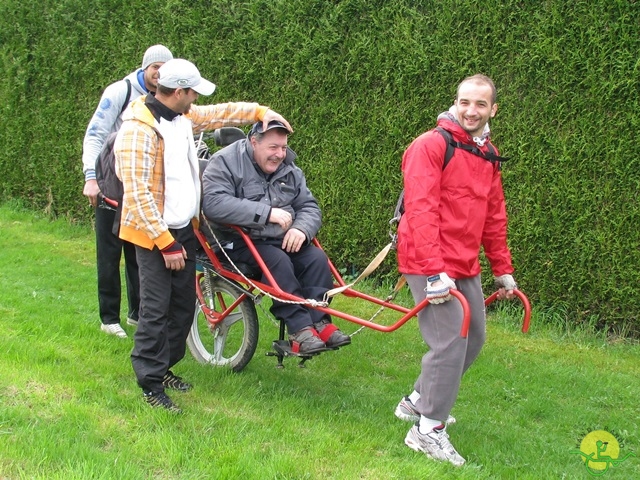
[[281, 217], [293, 240]]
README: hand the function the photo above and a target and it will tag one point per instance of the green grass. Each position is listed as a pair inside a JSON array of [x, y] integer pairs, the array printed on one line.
[[70, 408]]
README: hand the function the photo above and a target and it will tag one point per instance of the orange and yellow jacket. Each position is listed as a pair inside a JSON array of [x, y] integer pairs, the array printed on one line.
[[139, 152]]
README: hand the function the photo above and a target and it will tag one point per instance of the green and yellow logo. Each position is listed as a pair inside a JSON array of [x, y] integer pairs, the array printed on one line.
[[600, 450]]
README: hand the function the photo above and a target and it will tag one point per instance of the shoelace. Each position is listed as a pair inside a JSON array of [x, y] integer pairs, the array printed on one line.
[[442, 437]]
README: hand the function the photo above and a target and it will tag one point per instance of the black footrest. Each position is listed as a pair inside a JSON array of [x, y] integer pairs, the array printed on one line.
[[283, 347]]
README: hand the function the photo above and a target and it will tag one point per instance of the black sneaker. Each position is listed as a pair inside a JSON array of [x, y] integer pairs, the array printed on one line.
[[330, 334], [306, 341], [161, 400], [175, 382]]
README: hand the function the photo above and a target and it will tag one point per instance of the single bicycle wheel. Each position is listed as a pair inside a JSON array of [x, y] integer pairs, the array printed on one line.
[[231, 342]]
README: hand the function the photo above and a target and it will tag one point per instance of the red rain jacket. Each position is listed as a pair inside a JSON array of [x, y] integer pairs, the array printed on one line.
[[450, 213]]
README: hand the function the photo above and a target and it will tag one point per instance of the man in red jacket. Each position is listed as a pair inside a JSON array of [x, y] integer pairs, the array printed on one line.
[[449, 214]]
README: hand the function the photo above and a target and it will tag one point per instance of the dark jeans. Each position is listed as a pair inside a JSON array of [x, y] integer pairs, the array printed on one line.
[[305, 274], [109, 250], [167, 307]]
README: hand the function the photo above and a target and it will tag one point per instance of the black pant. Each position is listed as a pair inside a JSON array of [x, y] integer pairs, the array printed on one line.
[[167, 307], [305, 274], [108, 254]]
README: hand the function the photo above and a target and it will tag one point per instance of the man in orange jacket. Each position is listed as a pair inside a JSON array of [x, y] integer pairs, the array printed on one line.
[[156, 159]]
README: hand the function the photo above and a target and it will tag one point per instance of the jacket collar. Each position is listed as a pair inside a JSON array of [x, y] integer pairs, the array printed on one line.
[[459, 133], [159, 109]]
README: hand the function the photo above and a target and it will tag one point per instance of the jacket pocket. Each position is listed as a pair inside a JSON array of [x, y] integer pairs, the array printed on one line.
[[283, 194], [253, 191]]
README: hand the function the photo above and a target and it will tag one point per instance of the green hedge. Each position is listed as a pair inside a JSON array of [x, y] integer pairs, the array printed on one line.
[[359, 79]]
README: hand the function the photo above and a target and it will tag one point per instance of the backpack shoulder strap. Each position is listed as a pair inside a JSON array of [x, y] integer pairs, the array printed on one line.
[[492, 154], [128, 97], [450, 145]]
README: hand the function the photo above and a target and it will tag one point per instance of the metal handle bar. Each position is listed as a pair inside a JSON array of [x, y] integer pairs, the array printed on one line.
[[272, 287], [466, 312], [525, 304]]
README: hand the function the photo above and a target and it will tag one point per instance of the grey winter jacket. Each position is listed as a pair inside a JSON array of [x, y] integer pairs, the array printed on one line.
[[237, 192]]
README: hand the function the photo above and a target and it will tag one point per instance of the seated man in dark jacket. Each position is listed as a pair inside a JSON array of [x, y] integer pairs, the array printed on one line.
[[255, 184]]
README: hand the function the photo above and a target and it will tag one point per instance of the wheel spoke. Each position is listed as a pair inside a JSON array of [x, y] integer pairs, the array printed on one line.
[[229, 321], [219, 343], [233, 341]]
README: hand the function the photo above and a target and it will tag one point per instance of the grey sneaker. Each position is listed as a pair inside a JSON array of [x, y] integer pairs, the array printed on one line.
[[132, 321], [407, 411], [306, 341], [161, 400], [330, 334], [435, 445], [113, 329]]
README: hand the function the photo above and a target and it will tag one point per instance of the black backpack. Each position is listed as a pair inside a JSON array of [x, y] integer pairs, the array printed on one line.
[[451, 146], [108, 182]]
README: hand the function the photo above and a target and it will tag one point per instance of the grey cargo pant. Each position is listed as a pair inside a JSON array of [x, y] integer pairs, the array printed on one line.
[[449, 354]]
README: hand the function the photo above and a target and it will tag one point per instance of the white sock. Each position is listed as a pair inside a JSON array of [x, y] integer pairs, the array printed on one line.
[[414, 397], [428, 424]]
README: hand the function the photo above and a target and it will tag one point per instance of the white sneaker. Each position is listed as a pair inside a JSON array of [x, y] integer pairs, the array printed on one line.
[[131, 321], [407, 411], [113, 329], [435, 445]]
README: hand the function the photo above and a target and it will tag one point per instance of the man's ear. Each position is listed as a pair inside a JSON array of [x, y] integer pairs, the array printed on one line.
[[494, 109]]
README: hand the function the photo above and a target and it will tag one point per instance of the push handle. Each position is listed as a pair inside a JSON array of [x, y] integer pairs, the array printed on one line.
[[525, 304], [466, 312]]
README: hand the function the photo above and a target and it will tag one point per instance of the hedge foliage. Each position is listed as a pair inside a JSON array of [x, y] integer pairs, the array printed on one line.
[[359, 79]]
